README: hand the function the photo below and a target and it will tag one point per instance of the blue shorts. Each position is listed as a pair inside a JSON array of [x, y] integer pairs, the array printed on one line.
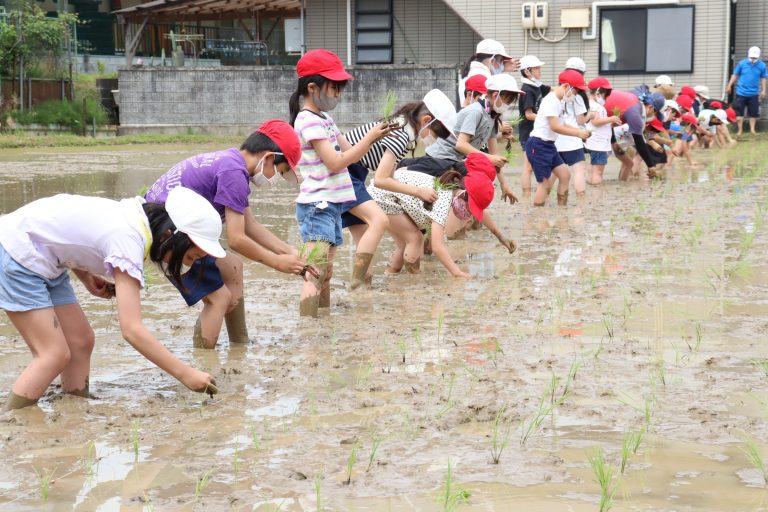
[[23, 290], [597, 157], [573, 157], [543, 156], [320, 221], [202, 278], [358, 174], [748, 104]]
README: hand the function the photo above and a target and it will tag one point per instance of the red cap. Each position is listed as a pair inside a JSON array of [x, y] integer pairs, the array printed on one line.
[[715, 105], [324, 63], [599, 83], [476, 83], [687, 90], [572, 78], [688, 118], [656, 125], [685, 101], [731, 114], [479, 183], [282, 134]]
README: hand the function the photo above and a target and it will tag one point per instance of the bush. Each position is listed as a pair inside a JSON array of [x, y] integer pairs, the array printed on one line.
[[64, 113]]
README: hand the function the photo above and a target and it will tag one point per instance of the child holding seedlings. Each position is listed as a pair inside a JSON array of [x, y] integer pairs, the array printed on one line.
[[223, 177], [545, 160], [420, 121], [98, 239], [575, 114], [530, 68], [325, 155], [599, 143], [408, 216]]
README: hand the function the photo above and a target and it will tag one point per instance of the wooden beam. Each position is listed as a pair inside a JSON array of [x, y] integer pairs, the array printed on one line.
[[277, 22], [132, 38]]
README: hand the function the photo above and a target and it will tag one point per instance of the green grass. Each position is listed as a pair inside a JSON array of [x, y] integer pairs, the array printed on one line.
[[10, 140]]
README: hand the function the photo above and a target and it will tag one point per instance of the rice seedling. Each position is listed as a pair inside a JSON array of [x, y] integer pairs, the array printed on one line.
[[364, 374], [89, 461], [135, 429], [389, 105], [492, 354], [201, 483], [44, 481], [440, 319], [375, 443], [453, 496], [629, 445], [402, 347], [604, 475], [755, 457], [761, 364], [417, 338], [318, 501], [532, 424], [608, 324], [314, 253], [351, 460], [236, 460], [449, 401], [502, 431], [147, 506]]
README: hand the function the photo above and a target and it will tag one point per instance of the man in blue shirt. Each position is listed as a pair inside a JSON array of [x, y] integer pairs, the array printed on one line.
[[751, 74]]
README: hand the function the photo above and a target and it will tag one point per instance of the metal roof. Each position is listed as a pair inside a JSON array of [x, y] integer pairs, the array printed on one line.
[[202, 10]]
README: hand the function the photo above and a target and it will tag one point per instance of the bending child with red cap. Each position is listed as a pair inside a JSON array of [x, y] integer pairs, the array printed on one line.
[[223, 178], [408, 216]]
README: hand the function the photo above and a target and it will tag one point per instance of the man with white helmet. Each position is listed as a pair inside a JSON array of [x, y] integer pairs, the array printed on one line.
[[751, 75]]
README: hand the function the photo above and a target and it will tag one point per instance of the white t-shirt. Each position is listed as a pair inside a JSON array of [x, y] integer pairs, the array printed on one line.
[[551, 106], [704, 117], [601, 135], [570, 111], [475, 68], [53, 234]]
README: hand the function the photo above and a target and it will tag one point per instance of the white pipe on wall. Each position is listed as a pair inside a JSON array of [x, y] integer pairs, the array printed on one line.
[[618, 3], [727, 46], [349, 32]]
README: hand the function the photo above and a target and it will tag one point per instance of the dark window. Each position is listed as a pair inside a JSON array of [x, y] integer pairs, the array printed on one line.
[[646, 40], [373, 31]]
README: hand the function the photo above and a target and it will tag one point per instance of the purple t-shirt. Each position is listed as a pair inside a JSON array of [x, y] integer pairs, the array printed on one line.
[[221, 177]]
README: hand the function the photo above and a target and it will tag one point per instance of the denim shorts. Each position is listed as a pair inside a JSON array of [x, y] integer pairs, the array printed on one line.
[[543, 156], [573, 157], [202, 278], [320, 221], [23, 290], [597, 157]]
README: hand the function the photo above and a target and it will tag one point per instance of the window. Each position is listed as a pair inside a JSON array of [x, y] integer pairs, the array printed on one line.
[[373, 31], [646, 40]]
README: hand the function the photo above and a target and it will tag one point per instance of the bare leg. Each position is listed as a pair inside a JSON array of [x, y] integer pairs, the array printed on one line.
[[739, 125], [753, 125], [231, 268], [525, 177], [42, 332], [563, 175], [542, 191], [579, 177], [215, 307], [597, 174], [80, 339], [403, 227], [376, 223]]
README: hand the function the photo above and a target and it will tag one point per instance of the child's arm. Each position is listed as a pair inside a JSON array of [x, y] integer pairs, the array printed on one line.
[[465, 148], [530, 114], [135, 332], [94, 284], [506, 192], [441, 251], [257, 243], [564, 129], [336, 162], [602, 121], [384, 178], [488, 222]]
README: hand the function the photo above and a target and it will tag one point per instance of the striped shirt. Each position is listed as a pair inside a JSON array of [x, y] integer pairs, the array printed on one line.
[[319, 183], [398, 142]]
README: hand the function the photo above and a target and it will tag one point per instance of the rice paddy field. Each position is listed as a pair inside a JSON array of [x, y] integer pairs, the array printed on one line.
[[617, 360]]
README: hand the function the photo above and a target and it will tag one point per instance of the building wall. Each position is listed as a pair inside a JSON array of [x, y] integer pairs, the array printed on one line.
[[751, 28], [424, 31], [238, 99]]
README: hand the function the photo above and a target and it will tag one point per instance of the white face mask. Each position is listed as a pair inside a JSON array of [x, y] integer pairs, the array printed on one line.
[[499, 106], [428, 139], [600, 100], [568, 97], [258, 179], [496, 69]]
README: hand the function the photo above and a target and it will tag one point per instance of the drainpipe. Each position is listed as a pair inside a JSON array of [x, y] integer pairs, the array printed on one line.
[[727, 45], [618, 3], [303, 42], [349, 32]]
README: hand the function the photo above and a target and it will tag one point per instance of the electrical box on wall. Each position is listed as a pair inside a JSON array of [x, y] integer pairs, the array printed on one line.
[[574, 18], [527, 14], [541, 15]]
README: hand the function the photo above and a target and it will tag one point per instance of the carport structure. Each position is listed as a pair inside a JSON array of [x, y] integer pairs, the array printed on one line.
[[135, 19]]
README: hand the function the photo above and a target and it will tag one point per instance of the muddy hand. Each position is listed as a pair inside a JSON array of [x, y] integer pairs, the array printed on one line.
[[199, 382], [428, 195], [507, 194], [309, 269], [508, 244]]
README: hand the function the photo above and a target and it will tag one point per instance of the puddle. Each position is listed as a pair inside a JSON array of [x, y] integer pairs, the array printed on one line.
[[651, 296]]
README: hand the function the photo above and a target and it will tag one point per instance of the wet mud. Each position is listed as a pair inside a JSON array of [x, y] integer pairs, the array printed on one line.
[[639, 309]]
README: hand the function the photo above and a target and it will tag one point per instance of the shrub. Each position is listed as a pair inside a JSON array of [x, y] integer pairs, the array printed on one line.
[[64, 113]]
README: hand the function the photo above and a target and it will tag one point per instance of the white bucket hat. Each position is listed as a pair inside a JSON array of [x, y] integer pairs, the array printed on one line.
[[530, 61], [441, 107], [194, 215], [577, 64], [664, 80], [492, 47], [722, 116], [673, 105], [502, 82], [702, 90]]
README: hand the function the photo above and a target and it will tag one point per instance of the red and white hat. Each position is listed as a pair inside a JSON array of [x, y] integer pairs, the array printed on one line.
[[282, 134], [479, 183], [324, 63], [600, 83], [476, 83], [572, 78]]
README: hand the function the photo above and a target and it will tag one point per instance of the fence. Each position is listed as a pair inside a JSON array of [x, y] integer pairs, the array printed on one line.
[[33, 91]]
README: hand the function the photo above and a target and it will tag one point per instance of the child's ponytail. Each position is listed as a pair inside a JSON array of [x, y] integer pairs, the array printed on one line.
[[294, 105], [476, 57]]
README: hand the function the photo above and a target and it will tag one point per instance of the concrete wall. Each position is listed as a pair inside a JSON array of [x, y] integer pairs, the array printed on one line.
[[236, 100]]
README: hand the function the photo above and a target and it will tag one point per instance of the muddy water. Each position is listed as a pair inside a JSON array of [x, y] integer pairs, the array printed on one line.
[[652, 296]]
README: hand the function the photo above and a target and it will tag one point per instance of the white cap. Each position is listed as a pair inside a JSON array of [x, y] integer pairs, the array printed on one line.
[[664, 80], [502, 82], [492, 47], [754, 53], [577, 64], [673, 105], [721, 115], [441, 107], [194, 215], [702, 90], [530, 61]]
